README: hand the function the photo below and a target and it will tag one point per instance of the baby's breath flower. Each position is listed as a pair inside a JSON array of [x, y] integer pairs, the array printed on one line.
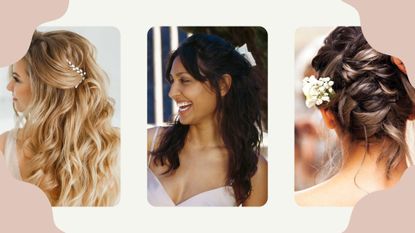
[[317, 91]]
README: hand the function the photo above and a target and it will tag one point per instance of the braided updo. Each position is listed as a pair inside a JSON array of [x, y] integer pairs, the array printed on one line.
[[371, 103]]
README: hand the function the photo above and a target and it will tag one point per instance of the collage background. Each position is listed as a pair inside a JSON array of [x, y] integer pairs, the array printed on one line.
[[133, 19]]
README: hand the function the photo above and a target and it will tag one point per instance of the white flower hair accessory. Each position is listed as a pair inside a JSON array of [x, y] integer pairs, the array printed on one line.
[[317, 91], [77, 70], [243, 50]]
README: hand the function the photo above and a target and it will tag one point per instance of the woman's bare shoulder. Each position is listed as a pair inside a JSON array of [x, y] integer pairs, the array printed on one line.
[[259, 193], [328, 193], [261, 174], [262, 167], [311, 196]]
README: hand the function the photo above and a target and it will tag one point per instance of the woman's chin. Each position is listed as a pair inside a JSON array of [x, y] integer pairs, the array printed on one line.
[[183, 122], [18, 108]]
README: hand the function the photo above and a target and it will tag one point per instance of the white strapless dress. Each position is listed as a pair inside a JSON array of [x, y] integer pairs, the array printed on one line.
[[157, 195]]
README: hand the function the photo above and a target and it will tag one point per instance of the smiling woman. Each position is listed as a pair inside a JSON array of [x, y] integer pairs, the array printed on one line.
[[196, 100], [209, 155]]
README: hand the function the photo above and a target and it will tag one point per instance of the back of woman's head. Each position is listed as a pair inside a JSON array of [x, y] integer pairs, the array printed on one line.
[[68, 134], [372, 97], [209, 59], [49, 60]]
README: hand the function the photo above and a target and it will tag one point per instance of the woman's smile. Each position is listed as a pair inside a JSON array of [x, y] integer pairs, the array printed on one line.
[[184, 107], [191, 96]]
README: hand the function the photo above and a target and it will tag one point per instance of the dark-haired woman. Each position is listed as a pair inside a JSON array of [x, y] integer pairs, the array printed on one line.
[[209, 156], [364, 97]]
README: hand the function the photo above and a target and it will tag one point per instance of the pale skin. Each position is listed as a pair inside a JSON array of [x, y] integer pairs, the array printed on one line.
[[358, 175], [20, 87], [204, 158]]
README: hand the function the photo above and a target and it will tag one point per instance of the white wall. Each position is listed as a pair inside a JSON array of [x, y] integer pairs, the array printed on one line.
[[6, 103]]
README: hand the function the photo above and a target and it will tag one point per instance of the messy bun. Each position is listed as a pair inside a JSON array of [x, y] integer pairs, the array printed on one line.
[[371, 102]]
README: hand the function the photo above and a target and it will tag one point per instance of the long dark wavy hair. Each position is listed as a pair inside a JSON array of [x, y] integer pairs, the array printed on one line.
[[209, 58]]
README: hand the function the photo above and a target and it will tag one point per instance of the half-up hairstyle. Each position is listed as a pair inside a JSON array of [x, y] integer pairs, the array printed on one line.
[[71, 147], [372, 101], [207, 58]]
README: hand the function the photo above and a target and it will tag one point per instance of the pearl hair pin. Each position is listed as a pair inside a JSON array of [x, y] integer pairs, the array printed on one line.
[[78, 70]]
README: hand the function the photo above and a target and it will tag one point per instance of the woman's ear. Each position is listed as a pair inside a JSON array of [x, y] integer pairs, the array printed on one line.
[[399, 64], [225, 84], [328, 118]]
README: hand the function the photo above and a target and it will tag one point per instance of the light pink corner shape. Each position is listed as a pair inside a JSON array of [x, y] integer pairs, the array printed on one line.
[[388, 26], [19, 19], [23, 207], [387, 211]]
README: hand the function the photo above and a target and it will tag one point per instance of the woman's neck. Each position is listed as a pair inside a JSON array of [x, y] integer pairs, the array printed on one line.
[[362, 167], [204, 135]]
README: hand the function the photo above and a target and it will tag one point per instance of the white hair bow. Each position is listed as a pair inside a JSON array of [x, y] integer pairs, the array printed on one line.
[[243, 50]]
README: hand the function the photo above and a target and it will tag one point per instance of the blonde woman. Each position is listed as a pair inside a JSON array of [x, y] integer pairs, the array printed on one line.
[[66, 146]]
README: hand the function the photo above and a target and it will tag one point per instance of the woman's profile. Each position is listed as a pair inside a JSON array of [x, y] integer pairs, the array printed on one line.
[[65, 143], [367, 100], [209, 155]]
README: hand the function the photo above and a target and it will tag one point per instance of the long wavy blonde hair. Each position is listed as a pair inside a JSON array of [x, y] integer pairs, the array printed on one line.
[[71, 147]]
